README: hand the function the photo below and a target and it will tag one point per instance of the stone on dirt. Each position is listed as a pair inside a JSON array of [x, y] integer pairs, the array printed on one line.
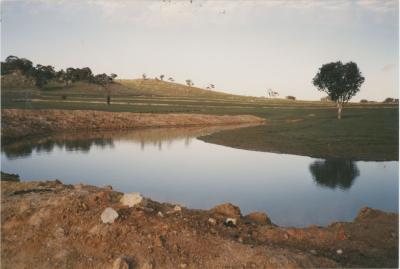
[[259, 218], [212, 221], [131, 199], [121, 263], [109, 215], [147, 265], [227, 210], [230, 222], [160, 214]]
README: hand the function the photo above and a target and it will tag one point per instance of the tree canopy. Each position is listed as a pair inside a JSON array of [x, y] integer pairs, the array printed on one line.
[[44, 73], [340, 81]]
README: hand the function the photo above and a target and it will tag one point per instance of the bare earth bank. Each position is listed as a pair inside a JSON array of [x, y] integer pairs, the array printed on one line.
[[51, 225], [20, 122]]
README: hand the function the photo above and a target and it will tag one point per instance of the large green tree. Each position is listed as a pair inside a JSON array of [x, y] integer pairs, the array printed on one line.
[[340, 81]]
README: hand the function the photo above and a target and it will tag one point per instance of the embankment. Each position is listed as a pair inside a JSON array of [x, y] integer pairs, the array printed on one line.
[[47, 224], [17, 123]]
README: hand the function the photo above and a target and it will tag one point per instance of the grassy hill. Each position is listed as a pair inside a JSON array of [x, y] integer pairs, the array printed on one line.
[[366, 132], [163, 88], [137, 87]]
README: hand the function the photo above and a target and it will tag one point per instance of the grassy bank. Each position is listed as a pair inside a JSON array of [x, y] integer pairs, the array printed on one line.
[[366, 132], [362, 134]]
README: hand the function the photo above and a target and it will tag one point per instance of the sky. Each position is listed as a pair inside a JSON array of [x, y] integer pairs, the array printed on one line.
[[243, 47]]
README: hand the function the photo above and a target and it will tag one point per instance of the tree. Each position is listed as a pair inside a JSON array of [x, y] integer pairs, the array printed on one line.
[[189, 82], [210, 86], [291, 97], [104, 81], [43, 73], [113, 76], [13, 63], [83, 74], [161, 77], [171, 79], [340, 81], [388, 100], [144, 76], [272, 93]]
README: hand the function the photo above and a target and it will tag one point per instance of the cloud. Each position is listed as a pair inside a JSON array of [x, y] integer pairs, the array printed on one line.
[[378, 6], [387, 68], [159, 12]]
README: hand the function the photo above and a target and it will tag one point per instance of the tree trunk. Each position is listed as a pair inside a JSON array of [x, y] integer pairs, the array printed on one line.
[[339, 112]]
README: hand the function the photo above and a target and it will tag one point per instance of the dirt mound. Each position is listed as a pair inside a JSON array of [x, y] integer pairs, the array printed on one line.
[[18, 122], [52, 225]]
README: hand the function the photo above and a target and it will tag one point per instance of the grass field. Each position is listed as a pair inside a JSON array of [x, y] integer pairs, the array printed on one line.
[[366, 131]]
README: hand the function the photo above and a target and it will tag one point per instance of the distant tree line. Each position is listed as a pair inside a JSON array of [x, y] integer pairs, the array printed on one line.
[[42, 74]]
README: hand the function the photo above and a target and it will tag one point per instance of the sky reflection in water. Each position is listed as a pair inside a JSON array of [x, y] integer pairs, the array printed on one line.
[[172, 165]]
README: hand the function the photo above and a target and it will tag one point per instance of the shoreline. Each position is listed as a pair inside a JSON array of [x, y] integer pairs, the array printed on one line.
[[47, 223], [19, 123]]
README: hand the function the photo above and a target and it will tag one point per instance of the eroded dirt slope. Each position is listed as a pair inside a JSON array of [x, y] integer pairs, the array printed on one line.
[[20, 122], [52, 225]]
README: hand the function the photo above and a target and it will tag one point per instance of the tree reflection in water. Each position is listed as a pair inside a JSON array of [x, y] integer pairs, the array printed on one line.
[[26, 148], [83, 141], [333, 173]]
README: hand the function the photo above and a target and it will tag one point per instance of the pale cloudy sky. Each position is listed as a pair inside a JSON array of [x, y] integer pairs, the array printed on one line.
[[243, 47]]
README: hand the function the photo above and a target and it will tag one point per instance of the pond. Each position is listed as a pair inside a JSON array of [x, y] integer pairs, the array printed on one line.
[[171, 165]]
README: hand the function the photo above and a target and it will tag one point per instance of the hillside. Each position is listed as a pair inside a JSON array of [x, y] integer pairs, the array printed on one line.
[[136, 87], [164, 88]]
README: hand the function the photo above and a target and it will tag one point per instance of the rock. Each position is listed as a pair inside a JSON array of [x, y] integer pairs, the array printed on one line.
[[121, 263], [177, 208], [313, 251], [147, 265], [109, 215], [131, 199], [78, 187], [367, 213], [158, 241], [83, 206], [227, 210], [148, 209], [230, 222], [286, 236], [259, 218], [339, 251], [160, 214], [212, 221], [108, 187]]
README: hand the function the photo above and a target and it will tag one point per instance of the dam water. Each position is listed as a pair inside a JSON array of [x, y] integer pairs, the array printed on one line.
[[171, 165]]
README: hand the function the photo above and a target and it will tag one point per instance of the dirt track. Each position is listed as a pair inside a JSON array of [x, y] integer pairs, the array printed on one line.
[[51, 225], [19, 122]]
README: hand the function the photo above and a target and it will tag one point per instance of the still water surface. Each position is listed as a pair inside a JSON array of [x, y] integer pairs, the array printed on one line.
[[171, 165]]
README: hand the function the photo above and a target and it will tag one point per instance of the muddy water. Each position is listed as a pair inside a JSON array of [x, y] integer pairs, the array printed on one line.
[[171, 165]]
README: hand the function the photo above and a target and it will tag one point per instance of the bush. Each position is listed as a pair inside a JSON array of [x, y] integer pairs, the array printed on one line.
[[388, 100]]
